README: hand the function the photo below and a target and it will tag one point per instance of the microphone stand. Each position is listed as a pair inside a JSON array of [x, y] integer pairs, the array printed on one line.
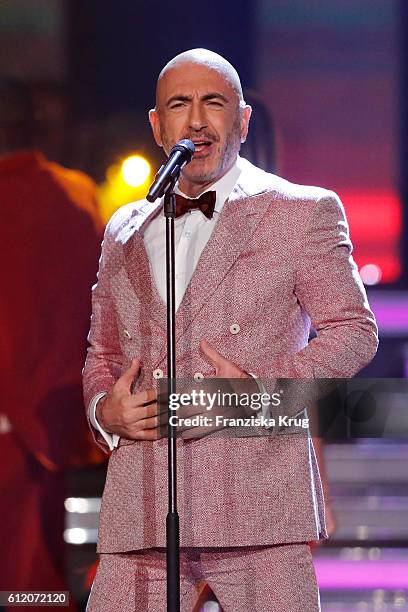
[[163, 184], [172, 520]]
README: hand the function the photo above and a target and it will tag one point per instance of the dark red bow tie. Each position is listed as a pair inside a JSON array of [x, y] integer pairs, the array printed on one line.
[[206, 203]]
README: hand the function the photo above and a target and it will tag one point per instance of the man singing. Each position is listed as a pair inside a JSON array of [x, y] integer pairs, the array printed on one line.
[[257, 260]]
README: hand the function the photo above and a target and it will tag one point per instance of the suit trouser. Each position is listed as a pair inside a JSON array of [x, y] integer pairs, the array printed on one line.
[[256, 579]]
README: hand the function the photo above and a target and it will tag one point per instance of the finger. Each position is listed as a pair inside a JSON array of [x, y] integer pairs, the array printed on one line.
[[134, 413], [148, 423], [212, 355], [143, 398], [132, 430], [127, 378], [224, 368], [148, 434]]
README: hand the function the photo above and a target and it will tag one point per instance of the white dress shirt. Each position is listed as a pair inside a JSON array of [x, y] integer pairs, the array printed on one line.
[[192, 232]]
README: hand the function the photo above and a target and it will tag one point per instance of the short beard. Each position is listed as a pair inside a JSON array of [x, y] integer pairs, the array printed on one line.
[[227, 155]]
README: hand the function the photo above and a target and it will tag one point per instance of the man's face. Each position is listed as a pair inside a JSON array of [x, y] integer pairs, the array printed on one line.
[[199, 103]]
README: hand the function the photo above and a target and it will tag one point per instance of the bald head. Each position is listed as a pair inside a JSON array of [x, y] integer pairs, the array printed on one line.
[[199, 97], [208, 59]]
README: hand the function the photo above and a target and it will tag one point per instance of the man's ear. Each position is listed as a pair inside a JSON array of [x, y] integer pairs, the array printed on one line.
[[154, 122], [245, 117]]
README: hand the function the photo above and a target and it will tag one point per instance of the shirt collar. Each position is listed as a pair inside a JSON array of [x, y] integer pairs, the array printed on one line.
[[222, 187]]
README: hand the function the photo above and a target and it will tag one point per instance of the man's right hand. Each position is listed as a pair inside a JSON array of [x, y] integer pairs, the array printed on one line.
[[132, 416]]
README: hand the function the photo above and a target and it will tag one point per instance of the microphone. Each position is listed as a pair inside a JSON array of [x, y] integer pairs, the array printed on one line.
[[180, 155]]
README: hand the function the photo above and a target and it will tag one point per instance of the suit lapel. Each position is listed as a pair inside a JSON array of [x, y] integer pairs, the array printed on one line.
[[138, 266], [238, 220]]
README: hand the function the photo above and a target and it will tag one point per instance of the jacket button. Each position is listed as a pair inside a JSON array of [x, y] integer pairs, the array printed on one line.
[[198, 376], [235, 328], [127, 334], [158, 373]]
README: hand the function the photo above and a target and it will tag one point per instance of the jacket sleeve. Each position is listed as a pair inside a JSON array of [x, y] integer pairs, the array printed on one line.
[[103, 365], [329, 289]]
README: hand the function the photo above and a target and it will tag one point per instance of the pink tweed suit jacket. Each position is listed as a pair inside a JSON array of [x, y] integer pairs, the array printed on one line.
[[278, 259]]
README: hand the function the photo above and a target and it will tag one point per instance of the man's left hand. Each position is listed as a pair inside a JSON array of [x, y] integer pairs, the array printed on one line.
[[224, 368]]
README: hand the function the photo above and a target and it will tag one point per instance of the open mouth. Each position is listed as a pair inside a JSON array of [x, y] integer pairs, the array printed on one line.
[[201, 146]]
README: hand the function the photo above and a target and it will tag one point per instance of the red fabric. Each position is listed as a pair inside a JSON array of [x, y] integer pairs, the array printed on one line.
[[50, 242], [49, 251]]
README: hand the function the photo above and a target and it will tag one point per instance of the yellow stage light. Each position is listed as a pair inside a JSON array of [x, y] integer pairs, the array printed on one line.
[[135, 170], [125, 182]]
